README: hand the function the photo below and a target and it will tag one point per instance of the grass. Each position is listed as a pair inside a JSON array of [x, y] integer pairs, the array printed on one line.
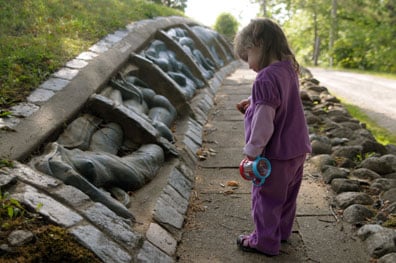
[[382, 135], [37, 37]]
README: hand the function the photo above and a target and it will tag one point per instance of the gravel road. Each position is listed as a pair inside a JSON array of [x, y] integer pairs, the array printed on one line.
[[376, 96]]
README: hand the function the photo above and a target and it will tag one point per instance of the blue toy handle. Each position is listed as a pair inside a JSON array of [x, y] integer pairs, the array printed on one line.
[[261, 178]]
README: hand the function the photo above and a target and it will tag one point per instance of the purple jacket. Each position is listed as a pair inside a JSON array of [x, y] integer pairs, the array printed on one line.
[[277, 86]]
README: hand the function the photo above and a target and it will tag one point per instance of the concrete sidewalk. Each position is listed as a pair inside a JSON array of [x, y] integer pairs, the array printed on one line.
[[218, 213]]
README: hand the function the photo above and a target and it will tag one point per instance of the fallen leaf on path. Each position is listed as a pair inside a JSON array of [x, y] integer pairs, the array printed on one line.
[[232, 183]]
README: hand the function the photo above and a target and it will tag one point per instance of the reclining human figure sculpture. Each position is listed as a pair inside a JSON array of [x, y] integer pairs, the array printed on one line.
[[209, 37], [206, 65], [166, 59], [74, 163], [135, 94]]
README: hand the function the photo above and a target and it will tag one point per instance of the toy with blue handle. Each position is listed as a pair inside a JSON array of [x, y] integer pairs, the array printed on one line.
[[260, 179], [250, 170]]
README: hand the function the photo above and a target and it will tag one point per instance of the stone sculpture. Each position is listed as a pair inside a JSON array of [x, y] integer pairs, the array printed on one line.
[[206, 65], [209, 37], [166, 59], [85, 157], [135, 94]]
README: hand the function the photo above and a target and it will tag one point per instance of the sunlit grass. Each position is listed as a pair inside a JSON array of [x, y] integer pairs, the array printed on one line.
[[382, 135], [39, 36]]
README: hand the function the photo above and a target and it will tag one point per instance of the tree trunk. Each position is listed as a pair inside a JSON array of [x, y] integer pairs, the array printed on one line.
[[316, 40], [333, 30], [264, 6]]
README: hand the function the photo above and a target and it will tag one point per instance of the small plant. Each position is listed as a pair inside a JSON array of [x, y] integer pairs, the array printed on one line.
[[4, 113], [6, 163], [10, 207], [360, 157]]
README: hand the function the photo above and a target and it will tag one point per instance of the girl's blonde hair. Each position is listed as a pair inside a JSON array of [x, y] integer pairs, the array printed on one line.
[[264, 33]]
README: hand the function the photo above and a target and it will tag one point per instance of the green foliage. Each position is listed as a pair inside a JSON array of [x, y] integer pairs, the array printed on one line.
[[6, 163], [227, 25], [9, 207], [177, 4], [382, 135], [364, 35], [38, 36]]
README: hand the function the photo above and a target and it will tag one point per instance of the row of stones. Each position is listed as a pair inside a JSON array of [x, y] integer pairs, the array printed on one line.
[[360, 171]]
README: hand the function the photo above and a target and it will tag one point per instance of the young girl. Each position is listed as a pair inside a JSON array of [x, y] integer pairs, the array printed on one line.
[[275, 127]]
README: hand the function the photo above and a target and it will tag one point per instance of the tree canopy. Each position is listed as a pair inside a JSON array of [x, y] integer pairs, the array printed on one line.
[[357, 34], [227, 25], [176, 4]]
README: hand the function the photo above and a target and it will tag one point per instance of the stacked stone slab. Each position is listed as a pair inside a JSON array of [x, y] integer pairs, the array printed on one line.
[[360, 171], [157, 210]]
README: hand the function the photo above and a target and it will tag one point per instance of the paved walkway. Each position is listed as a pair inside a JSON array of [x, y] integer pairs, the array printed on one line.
[[218, 213]]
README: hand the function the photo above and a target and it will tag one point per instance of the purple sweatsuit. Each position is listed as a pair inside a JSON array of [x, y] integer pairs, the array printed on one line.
[[276, 94]]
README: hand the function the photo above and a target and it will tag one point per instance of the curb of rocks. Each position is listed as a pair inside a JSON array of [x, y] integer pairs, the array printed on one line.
[[163, 202], [360, 171]]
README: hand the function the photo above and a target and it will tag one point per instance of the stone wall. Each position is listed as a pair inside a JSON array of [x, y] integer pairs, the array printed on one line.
[[107, 145]]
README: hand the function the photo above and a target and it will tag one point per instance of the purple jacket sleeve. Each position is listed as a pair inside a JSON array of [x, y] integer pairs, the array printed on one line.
[[262, 127]]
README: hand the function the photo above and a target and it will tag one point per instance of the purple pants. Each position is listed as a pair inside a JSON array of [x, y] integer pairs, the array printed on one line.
[[274, 205]]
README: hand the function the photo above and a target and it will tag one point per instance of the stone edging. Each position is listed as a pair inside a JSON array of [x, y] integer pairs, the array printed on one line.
[[360, 171]]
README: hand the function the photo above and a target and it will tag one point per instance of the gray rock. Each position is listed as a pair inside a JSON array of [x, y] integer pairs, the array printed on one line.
[[390, 159], [76, 63], [339, 141], [346, 199], [312, 119], [331, 172], [24, 109], [161, 239], [7, 179], [370, 146], [117, 227], [383, 184], [66, 73], [20, 237], [319, 161], [105, 248], [391, 209], [40, 95], [340, 185], [166, 214], [378, 242], [364, 174], [150, 253], [391, 148], [342, 132], [50, 208], [320, 147], [367, 230], [54, 84], [378, 165], [390, 195], [5, 248], [388, 258], [351, 124], [390, 176], [350, 152], [357, 214]]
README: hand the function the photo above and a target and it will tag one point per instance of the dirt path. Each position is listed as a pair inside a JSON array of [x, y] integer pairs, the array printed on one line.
[[375, 95]]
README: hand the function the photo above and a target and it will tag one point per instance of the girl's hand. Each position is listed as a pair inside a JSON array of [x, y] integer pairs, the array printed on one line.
[[243, 105], [250, 158]]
